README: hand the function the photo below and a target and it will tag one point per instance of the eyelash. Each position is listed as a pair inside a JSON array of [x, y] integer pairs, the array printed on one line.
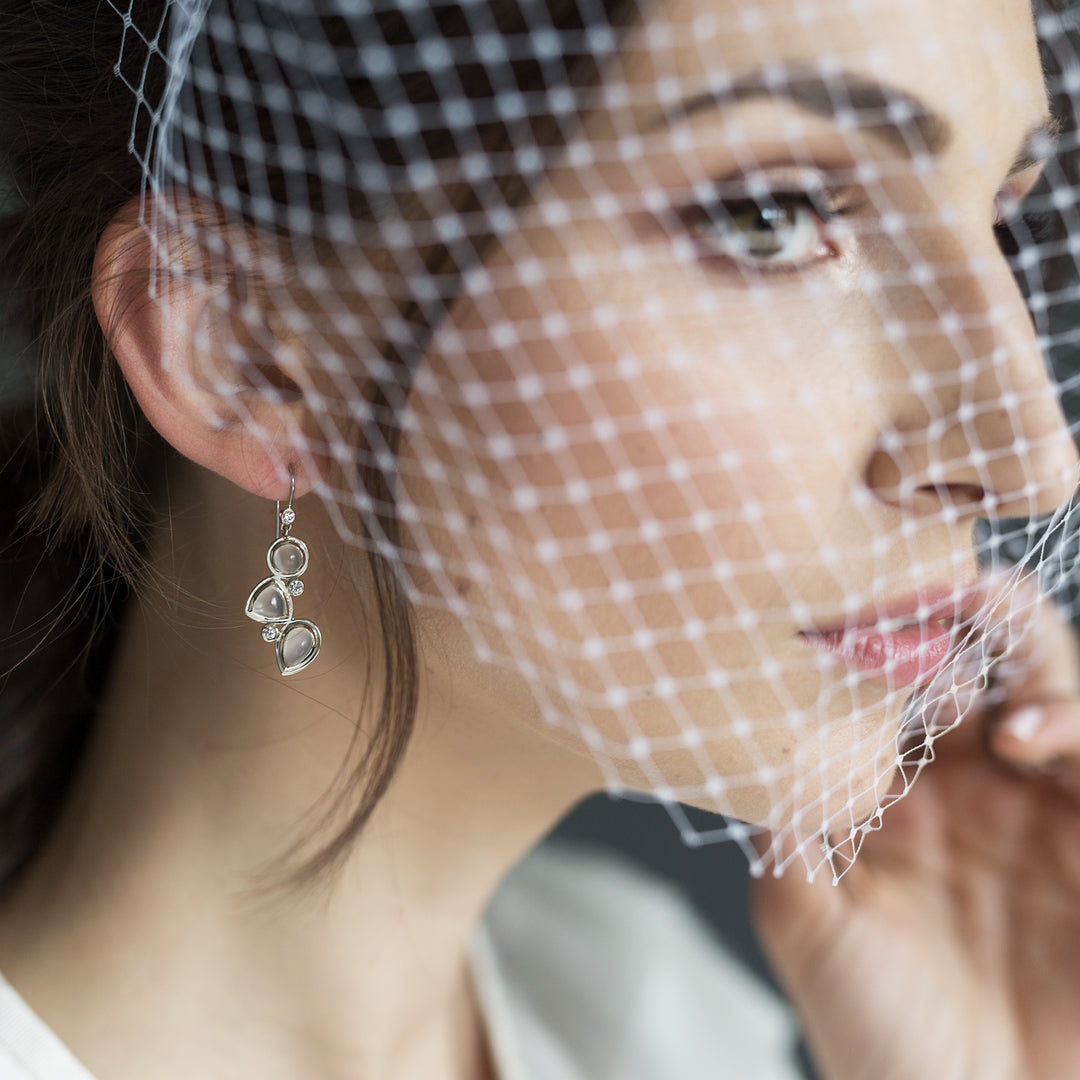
[[1036, 227], [826, 206]]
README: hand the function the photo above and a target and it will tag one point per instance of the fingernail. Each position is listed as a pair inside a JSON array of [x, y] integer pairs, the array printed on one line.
[[1023, 724]]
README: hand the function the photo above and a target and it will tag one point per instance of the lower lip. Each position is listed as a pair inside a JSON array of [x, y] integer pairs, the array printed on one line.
[[907, 657]]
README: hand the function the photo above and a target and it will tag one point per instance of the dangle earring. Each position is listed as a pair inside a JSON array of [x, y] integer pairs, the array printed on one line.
[[271, 601]]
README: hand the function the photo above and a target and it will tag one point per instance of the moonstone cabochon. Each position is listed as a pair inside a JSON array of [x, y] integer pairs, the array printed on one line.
[[269, 602], [287, 557], [297, 646]]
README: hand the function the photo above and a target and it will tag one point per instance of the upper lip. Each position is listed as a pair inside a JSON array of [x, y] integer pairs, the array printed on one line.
[[936, 602]]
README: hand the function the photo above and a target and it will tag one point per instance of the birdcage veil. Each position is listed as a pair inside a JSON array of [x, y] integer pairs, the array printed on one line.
[[749, 464]]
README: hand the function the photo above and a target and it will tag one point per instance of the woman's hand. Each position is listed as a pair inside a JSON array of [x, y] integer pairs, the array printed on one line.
[[951, 949]]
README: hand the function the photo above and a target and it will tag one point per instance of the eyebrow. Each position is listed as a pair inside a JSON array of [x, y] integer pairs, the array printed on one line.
[[901, 120]]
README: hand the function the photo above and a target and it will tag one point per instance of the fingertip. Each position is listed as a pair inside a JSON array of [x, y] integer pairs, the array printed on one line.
[[1022, 726], [1019, 739], [1037, 735]]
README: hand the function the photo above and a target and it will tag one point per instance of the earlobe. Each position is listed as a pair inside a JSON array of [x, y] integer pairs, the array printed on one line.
[[231, 408]]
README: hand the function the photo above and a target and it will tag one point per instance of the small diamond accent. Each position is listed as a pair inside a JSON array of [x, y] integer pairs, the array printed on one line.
[[288, 516], [270, 633], [296, 587]]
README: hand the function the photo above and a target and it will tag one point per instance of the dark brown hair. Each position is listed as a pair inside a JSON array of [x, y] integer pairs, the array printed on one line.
[[81, 469]]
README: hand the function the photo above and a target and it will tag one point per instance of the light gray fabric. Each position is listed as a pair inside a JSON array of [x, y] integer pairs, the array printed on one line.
[[594, 970]]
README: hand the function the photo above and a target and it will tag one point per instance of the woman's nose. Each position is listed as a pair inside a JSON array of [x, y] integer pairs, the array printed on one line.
[[979, 428]]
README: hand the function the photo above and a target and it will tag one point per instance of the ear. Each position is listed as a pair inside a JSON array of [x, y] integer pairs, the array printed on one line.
[[212, 380]]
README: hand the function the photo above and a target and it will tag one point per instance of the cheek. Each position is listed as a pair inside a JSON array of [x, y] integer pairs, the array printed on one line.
[[614, 556]]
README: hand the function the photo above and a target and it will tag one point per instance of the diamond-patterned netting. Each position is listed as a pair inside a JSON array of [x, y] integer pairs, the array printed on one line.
[[708, 362]]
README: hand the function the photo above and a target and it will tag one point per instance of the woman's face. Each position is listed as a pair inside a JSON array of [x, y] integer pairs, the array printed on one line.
[[737, 388]]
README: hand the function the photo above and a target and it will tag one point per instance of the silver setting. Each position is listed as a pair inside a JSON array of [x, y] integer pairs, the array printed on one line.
[[286, 585], [277, 545], [281, 588], [298, 665]]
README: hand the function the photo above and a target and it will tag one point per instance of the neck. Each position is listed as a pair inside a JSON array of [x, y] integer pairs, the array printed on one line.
[[204, 765]]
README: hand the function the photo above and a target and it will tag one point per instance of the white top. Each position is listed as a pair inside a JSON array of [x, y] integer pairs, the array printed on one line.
[[585, 969]]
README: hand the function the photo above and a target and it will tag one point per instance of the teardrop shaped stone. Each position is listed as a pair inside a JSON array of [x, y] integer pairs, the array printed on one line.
[[288, 559], [297, 645], [270, 603]]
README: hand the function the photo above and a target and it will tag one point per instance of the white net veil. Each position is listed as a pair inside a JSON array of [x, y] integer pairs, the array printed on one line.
[[699, 358]]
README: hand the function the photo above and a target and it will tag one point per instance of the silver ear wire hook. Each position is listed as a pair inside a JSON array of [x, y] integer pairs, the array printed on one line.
[[285, 517]]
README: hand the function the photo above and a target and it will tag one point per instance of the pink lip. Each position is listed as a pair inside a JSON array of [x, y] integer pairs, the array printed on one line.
[[908, 656]]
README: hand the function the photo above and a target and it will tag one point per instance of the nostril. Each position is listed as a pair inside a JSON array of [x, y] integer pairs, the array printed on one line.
[[961, 496]]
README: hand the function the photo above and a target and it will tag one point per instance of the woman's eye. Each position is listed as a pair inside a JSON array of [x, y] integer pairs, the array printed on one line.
[[778, 231]]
